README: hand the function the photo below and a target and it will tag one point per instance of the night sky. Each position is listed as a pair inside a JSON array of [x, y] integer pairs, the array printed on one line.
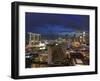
[[45, 23]]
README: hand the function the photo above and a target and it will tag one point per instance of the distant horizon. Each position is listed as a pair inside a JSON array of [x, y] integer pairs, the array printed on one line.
[[74, 32], [61, 35]]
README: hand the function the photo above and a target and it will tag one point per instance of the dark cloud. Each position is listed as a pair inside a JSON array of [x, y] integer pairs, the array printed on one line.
[[46, 23]]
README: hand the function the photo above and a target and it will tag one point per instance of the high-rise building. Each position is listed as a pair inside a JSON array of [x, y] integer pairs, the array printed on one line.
[[33, 37], [55, 54]]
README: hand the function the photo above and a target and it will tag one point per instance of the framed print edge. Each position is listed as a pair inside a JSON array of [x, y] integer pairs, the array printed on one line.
[[15, 40], [96, 40]]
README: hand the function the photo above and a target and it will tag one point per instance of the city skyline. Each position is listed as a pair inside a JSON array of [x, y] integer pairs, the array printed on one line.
[[56, 40]]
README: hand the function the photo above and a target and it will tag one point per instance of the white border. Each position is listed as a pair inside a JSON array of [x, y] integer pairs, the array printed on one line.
[[53, 70]]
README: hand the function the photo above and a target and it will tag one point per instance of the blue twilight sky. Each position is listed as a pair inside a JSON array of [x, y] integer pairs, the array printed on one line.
[[46, 23]]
